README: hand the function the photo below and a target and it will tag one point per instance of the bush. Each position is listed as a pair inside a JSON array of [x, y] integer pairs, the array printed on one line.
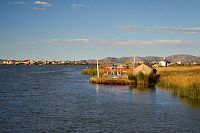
[[141, 76], [153, 78], [132, 77], [142, 79]]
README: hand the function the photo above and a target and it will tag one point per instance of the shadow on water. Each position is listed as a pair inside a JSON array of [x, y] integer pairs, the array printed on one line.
[[122, 89], [118, 89], [191, 102], [142, 89]]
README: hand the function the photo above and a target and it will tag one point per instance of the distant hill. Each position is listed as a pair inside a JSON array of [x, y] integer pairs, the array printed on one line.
[[113, 59], [173, 58], [183, 58], [152, 58]]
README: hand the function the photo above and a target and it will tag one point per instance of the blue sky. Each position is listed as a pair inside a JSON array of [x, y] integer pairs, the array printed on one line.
[[89, 29]]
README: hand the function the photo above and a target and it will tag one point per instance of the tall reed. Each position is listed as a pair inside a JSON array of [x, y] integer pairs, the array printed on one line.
[[182, 81], [92, 72]]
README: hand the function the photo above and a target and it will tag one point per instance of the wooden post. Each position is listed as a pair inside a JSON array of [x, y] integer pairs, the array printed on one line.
[[97, 68], [134, 65]]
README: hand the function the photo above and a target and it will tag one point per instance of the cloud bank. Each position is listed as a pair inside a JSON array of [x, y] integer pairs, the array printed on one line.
[[182, 30], [68, 41], [121, 42], [78, 6]]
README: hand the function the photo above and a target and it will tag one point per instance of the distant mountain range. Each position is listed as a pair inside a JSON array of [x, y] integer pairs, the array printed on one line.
[[173, 58]]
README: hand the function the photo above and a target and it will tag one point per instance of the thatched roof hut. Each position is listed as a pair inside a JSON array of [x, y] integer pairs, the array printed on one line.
[[143, 69]]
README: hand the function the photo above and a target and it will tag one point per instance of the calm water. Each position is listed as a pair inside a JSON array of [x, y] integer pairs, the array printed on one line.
[[60, 99]]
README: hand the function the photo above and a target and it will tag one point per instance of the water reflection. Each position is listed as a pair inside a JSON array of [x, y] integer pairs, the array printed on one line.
[[97, 89], [191, 102], [184, 100], [121, 90], [106, 89], [135, 89]]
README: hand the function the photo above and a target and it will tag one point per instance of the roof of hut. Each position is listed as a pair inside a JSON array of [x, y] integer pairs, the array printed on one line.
[[155, 65], [144, 69]]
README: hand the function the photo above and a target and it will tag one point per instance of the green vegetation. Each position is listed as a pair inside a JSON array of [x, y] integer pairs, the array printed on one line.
[[91, 71], [142, 79], [182, 81]]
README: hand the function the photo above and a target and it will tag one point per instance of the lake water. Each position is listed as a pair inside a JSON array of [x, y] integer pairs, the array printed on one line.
[[60, 99]]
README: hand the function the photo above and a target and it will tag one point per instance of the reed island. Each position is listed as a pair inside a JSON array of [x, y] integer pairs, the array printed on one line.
[[181, 80], [122, 74]]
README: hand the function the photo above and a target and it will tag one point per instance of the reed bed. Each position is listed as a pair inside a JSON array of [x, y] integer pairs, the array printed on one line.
[[183, 80], [92, 72], [111, 81]]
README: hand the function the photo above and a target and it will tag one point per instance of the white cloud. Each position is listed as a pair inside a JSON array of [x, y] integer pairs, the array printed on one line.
[[76, 6], [182, 30], [69, 41], [130, 27], [39, 8], [40, 3], [164, 42], [122, 42], [145, 42], [185, 30]]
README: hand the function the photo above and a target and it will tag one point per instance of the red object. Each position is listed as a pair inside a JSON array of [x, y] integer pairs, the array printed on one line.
[[105, 69], [121, 70], [25, 60]]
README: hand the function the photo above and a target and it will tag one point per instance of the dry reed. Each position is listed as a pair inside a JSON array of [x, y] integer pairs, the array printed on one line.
[[183, 81]]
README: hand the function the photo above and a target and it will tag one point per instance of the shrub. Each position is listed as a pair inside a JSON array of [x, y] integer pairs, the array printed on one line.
[[153, 78], [132, 77], [142, 79]]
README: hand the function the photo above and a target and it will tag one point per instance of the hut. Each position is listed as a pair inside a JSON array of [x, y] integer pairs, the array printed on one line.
[[164, 63], [155, 66], [143, 69]]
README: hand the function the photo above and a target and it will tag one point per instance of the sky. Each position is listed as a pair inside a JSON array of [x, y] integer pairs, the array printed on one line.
[[90, 29]]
